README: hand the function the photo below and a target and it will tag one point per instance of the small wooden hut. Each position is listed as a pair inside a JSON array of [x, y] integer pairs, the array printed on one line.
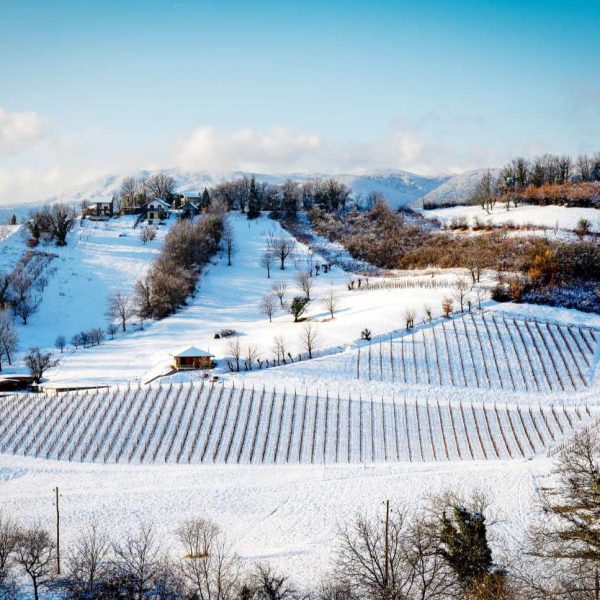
[[193, 358]]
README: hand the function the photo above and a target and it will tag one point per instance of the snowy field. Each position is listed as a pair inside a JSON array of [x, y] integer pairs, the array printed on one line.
[[229, 297], [280, 457], [282, 514], [100, 257], [549, 217]]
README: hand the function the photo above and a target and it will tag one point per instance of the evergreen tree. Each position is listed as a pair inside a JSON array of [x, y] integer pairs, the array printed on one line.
[[465, 547], [290, 197], [205, 201], [13, 220], [253, 200], [298, 306]]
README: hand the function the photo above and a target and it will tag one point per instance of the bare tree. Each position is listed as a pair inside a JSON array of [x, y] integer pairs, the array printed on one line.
[[409, 317], [142, 298], [268, 305], [428, 312], [282, 247], [250, 357], [34, 552], [112, 329], [310, 338], [147, 234], [160, 185], [5, 288], [20, 286], [476, 265], [480, 294], [9, 339], [60, 343], [25, 308], [280, 348], [330, 302], [460, 292], [235, 349], [266, 584], [39, 362], [8, 540], [228, 242], [87, 562], [392, 559], [485, 192], [305, 282], [280, 288], [138, 561], [128, 192], [585, 167], [120, 308], [565, 538], [210, 569], [267, 260]]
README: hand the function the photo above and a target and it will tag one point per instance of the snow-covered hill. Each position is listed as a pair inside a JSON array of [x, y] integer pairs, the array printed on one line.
[[456, 189], [401, 188]]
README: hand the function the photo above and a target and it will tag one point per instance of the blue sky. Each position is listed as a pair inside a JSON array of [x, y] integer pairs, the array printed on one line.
[[90, 87]]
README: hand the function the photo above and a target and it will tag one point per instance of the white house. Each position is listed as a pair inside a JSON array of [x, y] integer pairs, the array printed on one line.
[[157, 209]]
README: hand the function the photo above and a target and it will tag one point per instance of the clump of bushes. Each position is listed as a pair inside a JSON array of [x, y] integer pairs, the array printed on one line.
[[225, 333], [188, 247]]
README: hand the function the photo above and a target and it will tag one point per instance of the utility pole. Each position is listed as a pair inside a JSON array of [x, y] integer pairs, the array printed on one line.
[[57, 532], [387, 549]]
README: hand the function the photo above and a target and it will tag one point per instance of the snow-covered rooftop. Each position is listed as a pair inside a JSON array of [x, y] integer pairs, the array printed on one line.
[[192, 351]]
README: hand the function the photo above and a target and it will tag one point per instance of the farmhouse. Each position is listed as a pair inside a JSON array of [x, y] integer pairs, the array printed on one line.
[[157, 209], [200, 201], [99, 207], [187, 210], [193, 358]]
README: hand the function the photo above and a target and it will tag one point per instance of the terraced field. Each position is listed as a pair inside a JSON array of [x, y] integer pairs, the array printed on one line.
[[474, 350], [215, 423]]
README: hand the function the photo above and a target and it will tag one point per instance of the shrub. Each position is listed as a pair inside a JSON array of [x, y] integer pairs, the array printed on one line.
[[225, 333], [298, 307]]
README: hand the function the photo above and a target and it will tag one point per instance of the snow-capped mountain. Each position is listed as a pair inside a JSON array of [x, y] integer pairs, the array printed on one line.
[[401, 188]]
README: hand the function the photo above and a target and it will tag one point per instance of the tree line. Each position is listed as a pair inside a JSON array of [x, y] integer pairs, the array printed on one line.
[[251, 197], [173, 276], [546, 179], [136, 192], [245, 194], [450, 547]]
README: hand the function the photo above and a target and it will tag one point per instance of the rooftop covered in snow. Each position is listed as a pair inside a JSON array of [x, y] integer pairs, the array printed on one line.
[[192, 351]]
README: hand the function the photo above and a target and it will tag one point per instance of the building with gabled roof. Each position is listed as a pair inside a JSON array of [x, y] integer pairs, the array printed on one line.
[[193, 358]]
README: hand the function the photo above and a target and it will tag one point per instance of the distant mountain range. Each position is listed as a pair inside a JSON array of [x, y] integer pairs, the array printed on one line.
[[400, 188]]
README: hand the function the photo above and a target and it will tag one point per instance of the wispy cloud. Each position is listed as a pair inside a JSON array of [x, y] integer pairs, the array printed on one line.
[[274, 149]]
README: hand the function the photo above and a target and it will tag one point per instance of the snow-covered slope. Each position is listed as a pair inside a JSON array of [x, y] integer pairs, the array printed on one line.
[[456, 189], [557, 218]]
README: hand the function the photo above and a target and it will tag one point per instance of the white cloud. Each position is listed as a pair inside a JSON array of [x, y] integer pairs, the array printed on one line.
[[277, 149], [281, 150], [18, 129], [58, 164]]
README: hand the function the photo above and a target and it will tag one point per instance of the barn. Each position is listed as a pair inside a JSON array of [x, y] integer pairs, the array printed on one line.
[[193, 358]]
